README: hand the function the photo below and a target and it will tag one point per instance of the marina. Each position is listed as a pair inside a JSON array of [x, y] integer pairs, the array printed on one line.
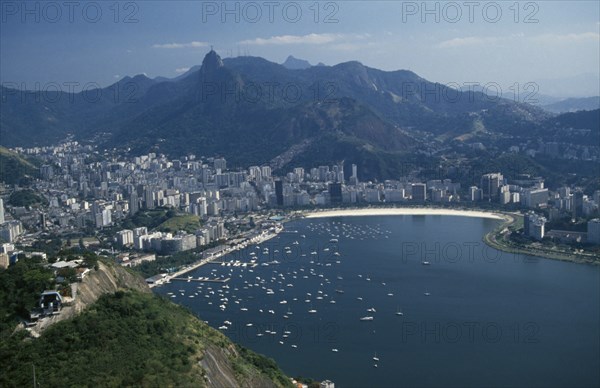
[[350, 288]]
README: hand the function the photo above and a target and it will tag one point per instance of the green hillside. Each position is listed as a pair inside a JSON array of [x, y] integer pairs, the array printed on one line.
[[132, 339], [14, 169], [188, 222]]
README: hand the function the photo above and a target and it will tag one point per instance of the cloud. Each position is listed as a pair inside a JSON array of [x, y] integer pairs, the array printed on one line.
[[294, 39], [194, 44], [182, 70], [567, 38], [467, 41], [539, 39]]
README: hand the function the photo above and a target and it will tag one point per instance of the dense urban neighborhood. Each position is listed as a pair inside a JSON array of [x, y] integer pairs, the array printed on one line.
[[134, 209]]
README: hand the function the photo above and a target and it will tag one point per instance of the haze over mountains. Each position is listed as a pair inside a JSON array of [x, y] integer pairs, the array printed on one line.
[[252, 111], [573, 104]]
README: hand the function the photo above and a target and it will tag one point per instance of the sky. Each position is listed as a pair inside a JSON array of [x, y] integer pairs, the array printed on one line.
[[552, 45]]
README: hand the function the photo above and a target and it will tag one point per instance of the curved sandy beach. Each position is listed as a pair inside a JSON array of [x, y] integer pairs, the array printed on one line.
[[404, 211]]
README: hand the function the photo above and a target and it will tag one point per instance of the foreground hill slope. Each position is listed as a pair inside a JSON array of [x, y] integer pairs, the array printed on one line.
[[126, 336]]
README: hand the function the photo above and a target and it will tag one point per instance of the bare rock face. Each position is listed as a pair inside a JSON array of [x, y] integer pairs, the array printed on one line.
[[212, 61], [107, 279]]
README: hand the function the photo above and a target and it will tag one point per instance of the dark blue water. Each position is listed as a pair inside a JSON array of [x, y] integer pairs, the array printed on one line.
[[490, 319]]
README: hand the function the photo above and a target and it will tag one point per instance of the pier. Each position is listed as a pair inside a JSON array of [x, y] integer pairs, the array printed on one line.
[[206, 280], [233, 263]]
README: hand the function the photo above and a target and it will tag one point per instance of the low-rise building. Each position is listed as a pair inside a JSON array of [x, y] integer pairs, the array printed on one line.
[[593, 231]]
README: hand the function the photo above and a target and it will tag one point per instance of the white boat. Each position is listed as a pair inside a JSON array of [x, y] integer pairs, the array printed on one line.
[[334, 350], [367, 318], [372, 310], [375, 358], [425, 263], [398, 312], [426, 293]]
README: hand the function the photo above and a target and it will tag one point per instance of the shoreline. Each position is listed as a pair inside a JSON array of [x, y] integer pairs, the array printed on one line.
[[256, 240], [495, 239], [491, 238], [408, 211]]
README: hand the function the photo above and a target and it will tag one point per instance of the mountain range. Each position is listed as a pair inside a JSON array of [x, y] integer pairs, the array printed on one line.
[[573, 105], [254, 111]]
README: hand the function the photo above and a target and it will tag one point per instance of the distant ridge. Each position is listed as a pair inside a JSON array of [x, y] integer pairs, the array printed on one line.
[[573, 105], [251, 110]]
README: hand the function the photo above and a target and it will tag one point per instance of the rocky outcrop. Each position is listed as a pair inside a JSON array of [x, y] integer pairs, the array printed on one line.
[[217, 363], [107, 279]]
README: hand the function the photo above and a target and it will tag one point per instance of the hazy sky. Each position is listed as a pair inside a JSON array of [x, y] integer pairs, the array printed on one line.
[[504, 42]]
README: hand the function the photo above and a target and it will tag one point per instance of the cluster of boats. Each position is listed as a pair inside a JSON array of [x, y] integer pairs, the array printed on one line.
[[275, 292]]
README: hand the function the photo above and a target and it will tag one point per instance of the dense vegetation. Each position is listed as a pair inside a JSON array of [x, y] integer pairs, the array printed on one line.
[[149, 218], [124, 339], [582, 120], [20, 288], [26, 197], [189, 222], [163, 219], [14, 169]]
